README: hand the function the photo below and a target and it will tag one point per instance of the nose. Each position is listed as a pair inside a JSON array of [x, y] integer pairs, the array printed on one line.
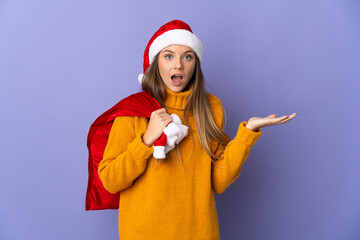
[[178, 63]]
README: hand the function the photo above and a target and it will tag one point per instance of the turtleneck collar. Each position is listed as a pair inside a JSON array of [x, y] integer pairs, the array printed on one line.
[[177, 100]]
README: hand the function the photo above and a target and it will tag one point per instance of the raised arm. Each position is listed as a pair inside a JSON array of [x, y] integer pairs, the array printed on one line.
[[227, 169], [238, 150], [234, 156]]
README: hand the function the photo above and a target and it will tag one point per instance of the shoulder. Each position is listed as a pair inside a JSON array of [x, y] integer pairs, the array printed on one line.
[[120, 121], [123, 125], [216, 108], [128, 125], [215, 103], [214, 100]]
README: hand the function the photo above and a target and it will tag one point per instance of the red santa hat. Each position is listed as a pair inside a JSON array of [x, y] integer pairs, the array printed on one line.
[[173, 32]]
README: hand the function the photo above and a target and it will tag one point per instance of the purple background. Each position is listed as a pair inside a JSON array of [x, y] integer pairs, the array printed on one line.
[[62, 63]]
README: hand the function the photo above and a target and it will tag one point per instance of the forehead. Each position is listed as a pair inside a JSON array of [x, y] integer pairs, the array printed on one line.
[[177, 48]]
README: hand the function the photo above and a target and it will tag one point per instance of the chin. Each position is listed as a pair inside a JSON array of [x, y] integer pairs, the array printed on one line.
[[176, 89]]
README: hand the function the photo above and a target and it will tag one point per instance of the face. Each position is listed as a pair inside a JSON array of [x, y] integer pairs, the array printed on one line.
[[176, 66]]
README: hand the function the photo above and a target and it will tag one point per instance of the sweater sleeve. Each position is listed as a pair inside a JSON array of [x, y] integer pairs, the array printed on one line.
[[228, 167], [125, 156]]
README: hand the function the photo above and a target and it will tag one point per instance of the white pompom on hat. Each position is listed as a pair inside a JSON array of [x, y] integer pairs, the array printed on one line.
[[173, 32]]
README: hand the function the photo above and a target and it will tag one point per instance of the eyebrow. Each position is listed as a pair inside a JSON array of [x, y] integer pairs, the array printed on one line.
[[184, 52]]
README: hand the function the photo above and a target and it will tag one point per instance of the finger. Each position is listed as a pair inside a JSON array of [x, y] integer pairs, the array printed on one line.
[[161, 110], [165, 115], [280, 120], [286, 120], [154, 113], [167, 121], [292, 116]]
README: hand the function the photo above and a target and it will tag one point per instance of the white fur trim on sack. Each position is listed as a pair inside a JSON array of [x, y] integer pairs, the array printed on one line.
[[175, 132], [159, 152]]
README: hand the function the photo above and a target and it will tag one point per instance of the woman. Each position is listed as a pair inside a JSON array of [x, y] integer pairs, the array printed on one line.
[[174, 199]]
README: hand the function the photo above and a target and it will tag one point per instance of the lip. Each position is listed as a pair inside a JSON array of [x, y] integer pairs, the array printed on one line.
[[177, 74]]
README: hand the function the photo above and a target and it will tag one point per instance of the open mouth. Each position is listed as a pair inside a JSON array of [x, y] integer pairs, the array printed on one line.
[[176, 79]]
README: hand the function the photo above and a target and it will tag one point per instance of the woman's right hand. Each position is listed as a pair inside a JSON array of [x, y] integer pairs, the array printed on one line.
[[159, 119]]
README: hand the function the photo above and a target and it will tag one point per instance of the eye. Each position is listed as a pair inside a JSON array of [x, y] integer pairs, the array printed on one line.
[[168, 56], [188, 57]]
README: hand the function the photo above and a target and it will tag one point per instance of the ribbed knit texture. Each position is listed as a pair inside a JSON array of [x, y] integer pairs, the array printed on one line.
[[165, 201]]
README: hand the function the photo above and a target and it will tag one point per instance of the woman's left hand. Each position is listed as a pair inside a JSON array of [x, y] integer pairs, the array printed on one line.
[[255, 123]]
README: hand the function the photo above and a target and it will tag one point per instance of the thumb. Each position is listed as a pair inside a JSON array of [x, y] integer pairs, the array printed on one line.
[[271, 116]]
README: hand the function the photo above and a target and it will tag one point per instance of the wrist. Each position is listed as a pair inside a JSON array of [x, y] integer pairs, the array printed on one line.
[[148, 142], [251, 128]]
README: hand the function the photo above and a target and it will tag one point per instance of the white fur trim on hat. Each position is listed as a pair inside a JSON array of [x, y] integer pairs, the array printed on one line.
[[176, 36]]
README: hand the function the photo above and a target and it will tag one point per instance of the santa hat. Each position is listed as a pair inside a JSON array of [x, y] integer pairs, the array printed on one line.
[[173, 32]]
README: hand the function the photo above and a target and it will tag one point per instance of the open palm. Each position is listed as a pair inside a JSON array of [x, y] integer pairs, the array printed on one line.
[[255, 123]]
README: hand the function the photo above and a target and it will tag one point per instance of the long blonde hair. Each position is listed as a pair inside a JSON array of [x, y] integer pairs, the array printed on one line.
[[197, 103]]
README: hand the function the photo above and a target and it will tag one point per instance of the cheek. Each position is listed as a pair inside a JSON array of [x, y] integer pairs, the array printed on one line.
[[163, 68], [192, 70]]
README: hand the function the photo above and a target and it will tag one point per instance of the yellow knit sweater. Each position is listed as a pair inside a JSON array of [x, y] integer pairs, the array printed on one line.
[[165, 201]]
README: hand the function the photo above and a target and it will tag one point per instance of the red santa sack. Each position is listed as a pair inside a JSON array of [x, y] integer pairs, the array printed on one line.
[[140, 104]]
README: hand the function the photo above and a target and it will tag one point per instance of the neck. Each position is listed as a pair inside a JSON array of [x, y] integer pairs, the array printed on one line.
[[177, 100]]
